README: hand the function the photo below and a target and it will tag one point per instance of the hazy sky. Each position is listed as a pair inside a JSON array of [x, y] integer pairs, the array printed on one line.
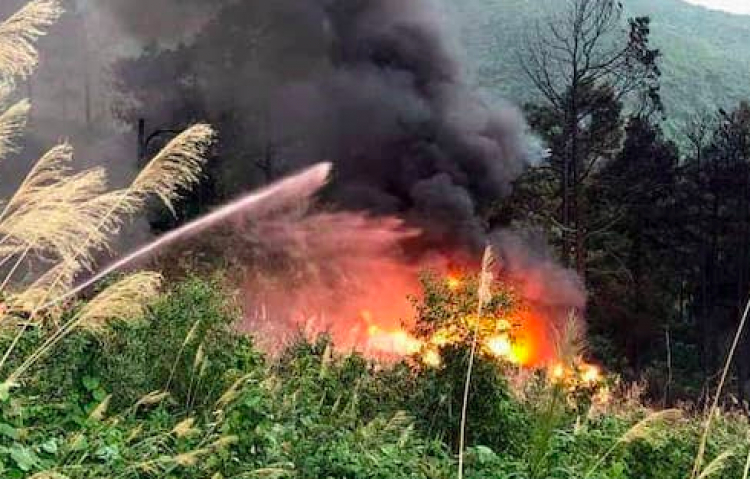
[[734, 6]]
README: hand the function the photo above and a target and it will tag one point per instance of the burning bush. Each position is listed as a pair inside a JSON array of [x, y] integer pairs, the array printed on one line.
[[447, 316]]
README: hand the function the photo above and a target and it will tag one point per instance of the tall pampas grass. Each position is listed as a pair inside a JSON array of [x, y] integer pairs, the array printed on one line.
[[484, 296], [56, 218], [123, 300], [569, 340], [12, 124], [71, 217], [18, 34], [49, 170], [62, 218], [175, 168], [55, 281]]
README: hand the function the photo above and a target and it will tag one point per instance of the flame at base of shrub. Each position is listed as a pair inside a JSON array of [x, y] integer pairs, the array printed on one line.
[[521, 341]]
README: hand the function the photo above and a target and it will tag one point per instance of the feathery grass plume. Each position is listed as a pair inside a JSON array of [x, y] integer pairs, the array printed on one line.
[[200, 356], [18, 55], [569, 340], [485, 279], [98, 413], [641, 430], [12, 124], [176, 167], [185, 428], [484, 295], [52, 224], [52, 210], [717, 465], [712, 411], [188, 339], [154, 397], [125, 299], [51, 168], [55, 282]]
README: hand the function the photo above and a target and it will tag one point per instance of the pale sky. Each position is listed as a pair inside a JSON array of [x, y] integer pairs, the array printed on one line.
[[734, 6]]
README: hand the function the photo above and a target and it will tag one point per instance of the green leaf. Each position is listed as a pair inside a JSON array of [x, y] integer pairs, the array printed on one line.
[[5, 391], [100, 395], [90, 383], [50, 446], [24, 457], [8, 431]]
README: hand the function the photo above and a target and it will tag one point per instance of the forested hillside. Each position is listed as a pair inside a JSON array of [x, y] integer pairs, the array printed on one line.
[[705, 61]]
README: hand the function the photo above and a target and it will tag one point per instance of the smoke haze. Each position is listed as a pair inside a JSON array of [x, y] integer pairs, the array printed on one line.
[[375, 86]]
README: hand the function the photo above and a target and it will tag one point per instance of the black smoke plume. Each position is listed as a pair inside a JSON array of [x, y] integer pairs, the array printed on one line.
[[373, 86], [368, 84]]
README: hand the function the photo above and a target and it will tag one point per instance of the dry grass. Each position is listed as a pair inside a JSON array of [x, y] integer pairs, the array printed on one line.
[[18, 34], [484, 295], [641, 430], [123, 300], [12, 125], [63, 218], [175, 168], [569, 340], [55, 282], [52, 219]]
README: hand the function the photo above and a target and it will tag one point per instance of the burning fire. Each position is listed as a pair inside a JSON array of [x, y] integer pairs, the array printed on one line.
[[521, 340]]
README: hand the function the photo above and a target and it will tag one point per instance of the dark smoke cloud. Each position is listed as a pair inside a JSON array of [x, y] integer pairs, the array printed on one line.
[[369, 84], [372, 85]]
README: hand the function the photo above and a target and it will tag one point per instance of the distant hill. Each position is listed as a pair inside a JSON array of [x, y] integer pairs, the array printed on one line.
[[706, 61]]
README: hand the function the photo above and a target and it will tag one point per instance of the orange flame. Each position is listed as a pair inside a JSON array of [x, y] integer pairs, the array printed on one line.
[[523, 346], [522, 340]]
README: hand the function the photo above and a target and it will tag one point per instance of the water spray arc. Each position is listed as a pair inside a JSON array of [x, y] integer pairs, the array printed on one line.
[[281, 193]]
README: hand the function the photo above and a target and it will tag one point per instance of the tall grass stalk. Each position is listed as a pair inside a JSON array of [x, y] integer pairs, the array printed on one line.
[[176, 167], [124, 299], [699, 457], [483, 296], [746, 471], [188, 339], [18, 34], [640, 430]]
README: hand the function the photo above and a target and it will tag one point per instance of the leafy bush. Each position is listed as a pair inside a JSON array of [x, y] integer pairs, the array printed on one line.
[[311, 413], [185, 343]]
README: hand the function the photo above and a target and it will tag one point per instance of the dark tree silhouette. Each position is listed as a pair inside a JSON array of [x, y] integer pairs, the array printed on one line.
[[577, 61]]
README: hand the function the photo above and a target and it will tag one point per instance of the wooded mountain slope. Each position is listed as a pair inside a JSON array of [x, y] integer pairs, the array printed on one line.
[[706, 61]]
